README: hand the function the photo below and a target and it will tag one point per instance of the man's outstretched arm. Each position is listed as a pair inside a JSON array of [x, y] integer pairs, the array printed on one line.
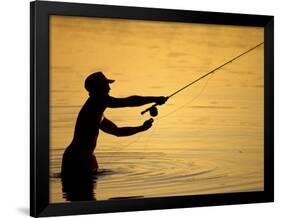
[[111, 128], [134, 101]]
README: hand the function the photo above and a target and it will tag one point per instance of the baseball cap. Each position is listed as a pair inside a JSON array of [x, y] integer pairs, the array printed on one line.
[[96, 80]]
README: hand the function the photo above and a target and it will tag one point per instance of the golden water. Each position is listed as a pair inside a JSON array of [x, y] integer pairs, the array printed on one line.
[[207, 139]]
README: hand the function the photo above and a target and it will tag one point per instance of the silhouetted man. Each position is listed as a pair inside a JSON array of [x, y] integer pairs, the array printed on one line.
[[78, 157]]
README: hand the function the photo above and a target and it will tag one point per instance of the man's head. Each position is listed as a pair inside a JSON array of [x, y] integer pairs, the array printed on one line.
[[97, 83]]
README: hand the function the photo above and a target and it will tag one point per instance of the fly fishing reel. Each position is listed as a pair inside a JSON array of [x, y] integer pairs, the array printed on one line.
[[153, 111]]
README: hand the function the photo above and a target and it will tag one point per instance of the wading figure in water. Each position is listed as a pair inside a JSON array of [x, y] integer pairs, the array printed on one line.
[[79, 157]]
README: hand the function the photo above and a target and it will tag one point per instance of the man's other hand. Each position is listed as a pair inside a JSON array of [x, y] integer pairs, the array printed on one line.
[[147, 124]]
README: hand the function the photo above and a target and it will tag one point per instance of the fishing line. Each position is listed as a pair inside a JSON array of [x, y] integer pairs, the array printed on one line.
[[188, 102], [177, 109], [143, 136], [132, 142], [153, 110]]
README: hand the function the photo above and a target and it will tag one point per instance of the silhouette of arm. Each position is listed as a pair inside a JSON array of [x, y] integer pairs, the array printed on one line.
[[134, 101], [111, 128]]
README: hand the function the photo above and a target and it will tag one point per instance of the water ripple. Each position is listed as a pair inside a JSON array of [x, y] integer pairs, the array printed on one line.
[[147, 174]]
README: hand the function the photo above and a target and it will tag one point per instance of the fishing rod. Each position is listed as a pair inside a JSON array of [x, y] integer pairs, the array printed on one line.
[[153, 110]]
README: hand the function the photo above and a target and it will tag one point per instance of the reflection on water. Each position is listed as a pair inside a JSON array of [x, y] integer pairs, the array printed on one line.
[[207, 139], [79, 188]]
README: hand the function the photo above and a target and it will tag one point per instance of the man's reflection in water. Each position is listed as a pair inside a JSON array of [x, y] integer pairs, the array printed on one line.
[[79, 187]]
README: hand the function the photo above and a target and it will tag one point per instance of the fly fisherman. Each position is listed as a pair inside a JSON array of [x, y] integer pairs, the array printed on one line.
[[79, 158]]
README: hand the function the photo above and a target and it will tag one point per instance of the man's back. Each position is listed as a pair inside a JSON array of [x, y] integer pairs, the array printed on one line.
[[88, 123]]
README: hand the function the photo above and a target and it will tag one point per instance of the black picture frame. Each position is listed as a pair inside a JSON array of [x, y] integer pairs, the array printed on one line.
[[39, 108]]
